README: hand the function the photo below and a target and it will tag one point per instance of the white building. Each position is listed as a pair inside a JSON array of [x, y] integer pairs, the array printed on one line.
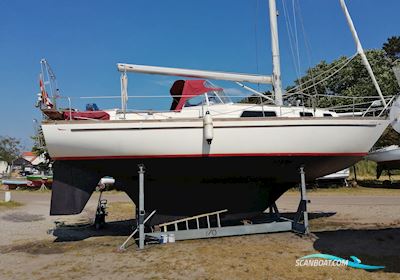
[[3, 167], [33, 158]]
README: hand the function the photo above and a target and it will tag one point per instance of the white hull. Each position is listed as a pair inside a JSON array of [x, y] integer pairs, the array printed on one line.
[[250, 163], [388, 154], [78, 140], [340, 175]]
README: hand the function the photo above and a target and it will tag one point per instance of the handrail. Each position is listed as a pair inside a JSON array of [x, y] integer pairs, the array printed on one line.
[[387, 105], [352, 106], [347, 105], [338, 96]]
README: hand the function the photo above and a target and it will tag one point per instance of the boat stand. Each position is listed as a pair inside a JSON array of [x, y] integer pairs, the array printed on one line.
[[43, 187], [208, 225], [301, 213]]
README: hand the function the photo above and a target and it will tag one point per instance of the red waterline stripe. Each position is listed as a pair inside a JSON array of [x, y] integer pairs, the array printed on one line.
[[218, 155]]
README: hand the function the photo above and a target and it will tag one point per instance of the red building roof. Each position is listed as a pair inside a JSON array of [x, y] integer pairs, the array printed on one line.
[[28, 154]]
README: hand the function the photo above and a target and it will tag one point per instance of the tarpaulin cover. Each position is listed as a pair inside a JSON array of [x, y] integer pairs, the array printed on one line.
[[97, 115], [193, 88]]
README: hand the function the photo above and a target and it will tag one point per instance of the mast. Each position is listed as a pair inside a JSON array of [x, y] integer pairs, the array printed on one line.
[[360, 50], [276, 71]]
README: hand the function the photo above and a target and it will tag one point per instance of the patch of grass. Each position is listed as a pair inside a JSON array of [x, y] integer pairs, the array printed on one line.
[[34, 190], [48, 247], [349, 191], [260, 256], [361, 191], [121, 210], [10, 204], [22, 217], [34, 248], [323, 224], [366, 170], [113, 191]]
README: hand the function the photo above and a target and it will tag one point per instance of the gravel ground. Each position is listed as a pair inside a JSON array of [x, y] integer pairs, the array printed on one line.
[[362, 222]]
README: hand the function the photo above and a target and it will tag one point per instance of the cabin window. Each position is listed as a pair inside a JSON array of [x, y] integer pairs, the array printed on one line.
[[259, 114], [196, 101], [327, 115], [269, 114], [306, 114], [213, 98]]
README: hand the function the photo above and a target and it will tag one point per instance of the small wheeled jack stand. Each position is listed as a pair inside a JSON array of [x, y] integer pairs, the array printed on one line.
[[101, 213]]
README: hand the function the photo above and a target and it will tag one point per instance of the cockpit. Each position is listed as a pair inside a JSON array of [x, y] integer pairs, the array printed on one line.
[[188, 93]]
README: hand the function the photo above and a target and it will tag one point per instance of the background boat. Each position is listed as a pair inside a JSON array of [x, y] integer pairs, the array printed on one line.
[[387, 158]]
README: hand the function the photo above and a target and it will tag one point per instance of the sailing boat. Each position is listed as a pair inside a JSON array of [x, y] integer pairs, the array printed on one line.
[[387, 158], [206, 153]]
